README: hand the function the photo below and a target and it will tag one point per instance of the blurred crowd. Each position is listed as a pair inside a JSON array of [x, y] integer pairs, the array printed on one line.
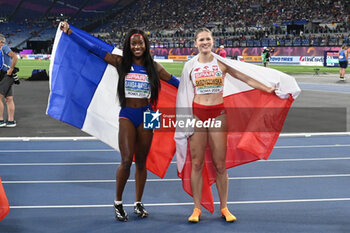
[[234, 21]]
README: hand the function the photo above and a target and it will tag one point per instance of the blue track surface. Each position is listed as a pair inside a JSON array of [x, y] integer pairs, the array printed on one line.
[[69, 186]]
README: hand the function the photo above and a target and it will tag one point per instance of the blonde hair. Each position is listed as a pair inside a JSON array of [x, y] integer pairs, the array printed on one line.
[[343, 46]]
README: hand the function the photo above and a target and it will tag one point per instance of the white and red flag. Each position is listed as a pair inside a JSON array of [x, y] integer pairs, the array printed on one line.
[[254, 120]]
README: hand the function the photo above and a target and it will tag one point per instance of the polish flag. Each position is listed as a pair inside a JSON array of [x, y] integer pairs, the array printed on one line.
[[4, 204], [254, 120]]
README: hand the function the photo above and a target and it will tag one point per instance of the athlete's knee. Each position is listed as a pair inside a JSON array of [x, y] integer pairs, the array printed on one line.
[[197, 165], [220, 168], [126, 163], [140, 164]]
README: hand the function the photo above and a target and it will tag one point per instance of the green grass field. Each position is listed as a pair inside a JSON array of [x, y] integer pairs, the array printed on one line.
[[27, 66]]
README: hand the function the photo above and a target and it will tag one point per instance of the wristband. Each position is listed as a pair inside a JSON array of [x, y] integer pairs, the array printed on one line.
[[174, 81], [98, 51]]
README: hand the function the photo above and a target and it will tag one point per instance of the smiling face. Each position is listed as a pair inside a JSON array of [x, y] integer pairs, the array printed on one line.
[[204, 42], [137, 45]]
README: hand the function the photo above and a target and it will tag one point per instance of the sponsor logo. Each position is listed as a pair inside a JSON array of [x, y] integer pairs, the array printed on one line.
[[311, 59], [138, 77], [204, 74]]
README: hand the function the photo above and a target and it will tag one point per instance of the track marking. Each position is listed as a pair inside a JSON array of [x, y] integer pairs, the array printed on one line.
[[312, 146], [306, 159], [185, 203], [112, 150], [170, 180], [117, 163], [57, 151], [89, 138], [60, 164]]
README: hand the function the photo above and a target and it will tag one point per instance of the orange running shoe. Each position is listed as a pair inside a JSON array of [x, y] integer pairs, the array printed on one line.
[[225, 213], [195, 215]]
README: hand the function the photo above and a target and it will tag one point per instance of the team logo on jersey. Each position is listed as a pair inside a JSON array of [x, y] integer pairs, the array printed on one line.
[[206, 67], [215, 68], [197, 69]]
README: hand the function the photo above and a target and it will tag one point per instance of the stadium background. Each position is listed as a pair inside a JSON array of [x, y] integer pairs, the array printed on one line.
[[303, 187], [294, 28], [298, 30]]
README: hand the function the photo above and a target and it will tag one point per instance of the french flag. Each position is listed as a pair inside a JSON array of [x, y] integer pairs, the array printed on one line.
[[83, 93]]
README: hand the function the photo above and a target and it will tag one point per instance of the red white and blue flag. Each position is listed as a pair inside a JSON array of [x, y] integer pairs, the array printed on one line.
[[83, 93]]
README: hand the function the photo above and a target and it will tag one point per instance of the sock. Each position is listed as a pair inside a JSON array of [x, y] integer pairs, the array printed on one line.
[[118, 202]]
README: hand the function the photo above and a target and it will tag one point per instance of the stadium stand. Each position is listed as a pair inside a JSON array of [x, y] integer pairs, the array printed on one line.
[[172, 23]]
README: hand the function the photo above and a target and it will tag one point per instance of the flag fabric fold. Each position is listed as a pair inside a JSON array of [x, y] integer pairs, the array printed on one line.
[[83, 93], [254, 120], [4, 204]]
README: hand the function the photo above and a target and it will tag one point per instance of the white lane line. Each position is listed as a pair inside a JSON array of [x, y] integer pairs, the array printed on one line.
[[58, 164], [185, 203], [286, 201], [312, 146], [80, 181], [306, 159], [25, 139], [57, 151], [82, 138], [294, 135], [112, 150], [288, 177], [175, 179], [117, 163]]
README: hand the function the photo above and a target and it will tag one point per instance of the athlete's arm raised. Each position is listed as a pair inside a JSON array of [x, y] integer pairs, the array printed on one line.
[[98, 51]]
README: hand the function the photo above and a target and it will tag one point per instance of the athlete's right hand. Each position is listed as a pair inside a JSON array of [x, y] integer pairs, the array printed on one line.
[[64, 26]]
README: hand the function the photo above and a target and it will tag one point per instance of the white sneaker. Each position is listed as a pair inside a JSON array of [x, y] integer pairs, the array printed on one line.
[[2, 123]]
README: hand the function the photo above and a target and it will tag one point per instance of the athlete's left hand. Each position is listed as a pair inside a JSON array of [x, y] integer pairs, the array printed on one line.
[[271, 90]]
